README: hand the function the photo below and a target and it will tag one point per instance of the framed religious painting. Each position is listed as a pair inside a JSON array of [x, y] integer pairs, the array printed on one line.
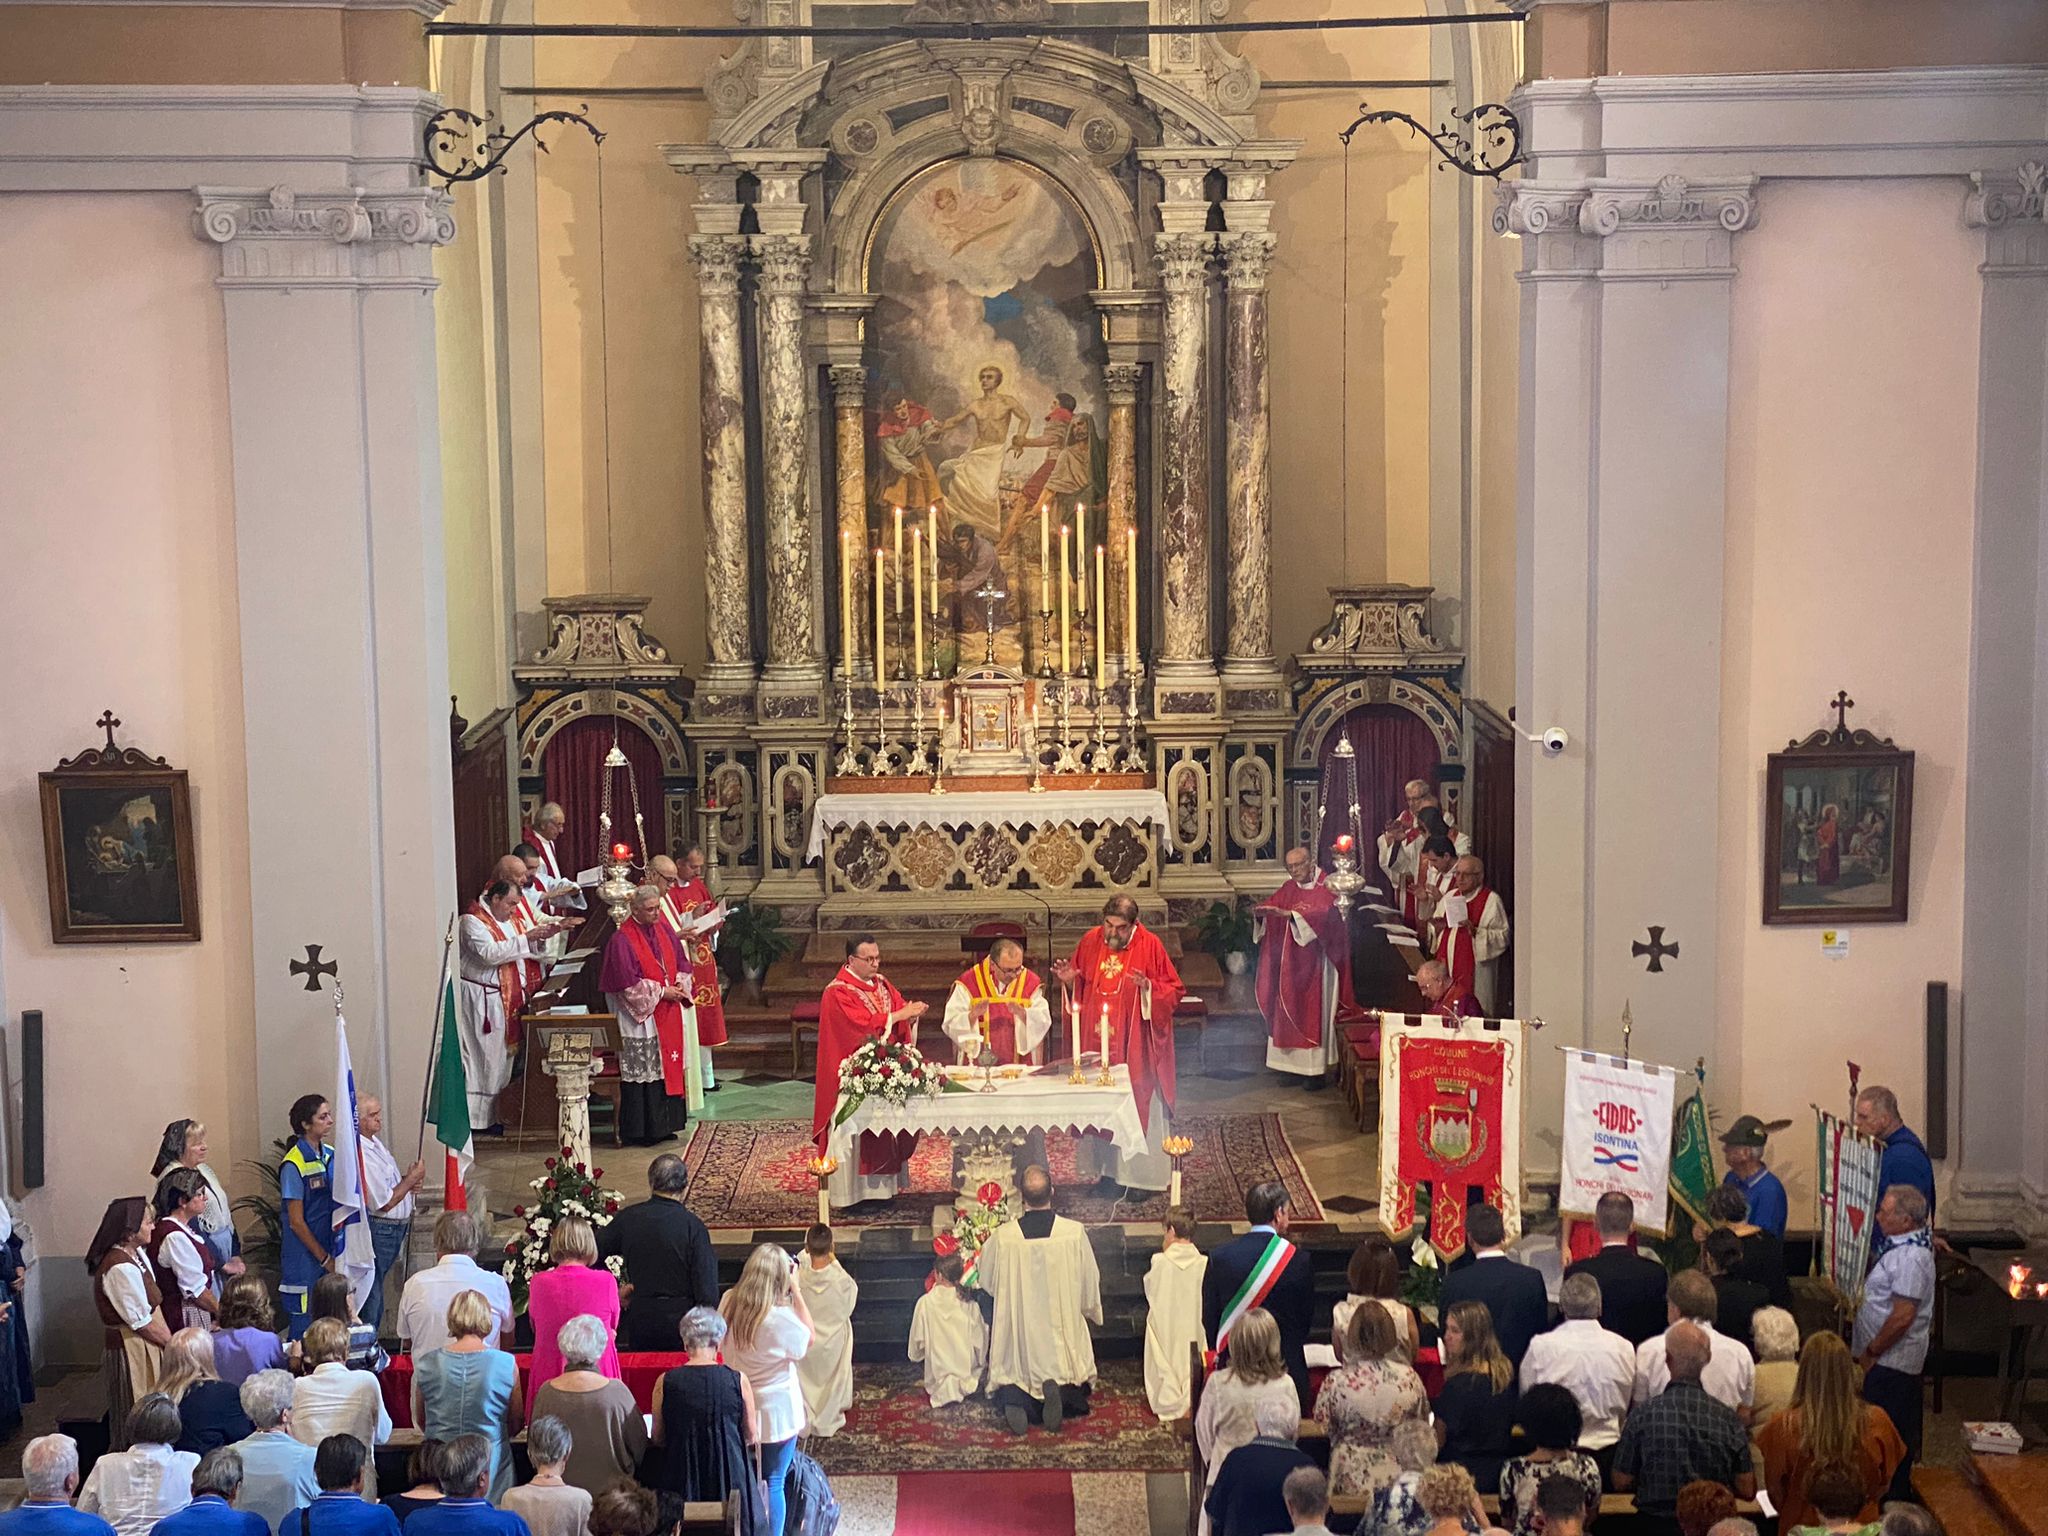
[[117, 848], [1838, 827]]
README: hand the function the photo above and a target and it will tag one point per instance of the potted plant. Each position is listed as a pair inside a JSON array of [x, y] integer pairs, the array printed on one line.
[[753, 939], [1225, 931]]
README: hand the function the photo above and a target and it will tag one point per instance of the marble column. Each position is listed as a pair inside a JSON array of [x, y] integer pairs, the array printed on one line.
[[1120, 382], [849, 407], [1184, 523], [1248, 487], [785, 273], [722, 408]]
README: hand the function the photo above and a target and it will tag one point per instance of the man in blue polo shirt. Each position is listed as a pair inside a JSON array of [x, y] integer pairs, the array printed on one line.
[[216, 1482], [1742, 1149], [465, 1509], [49, 1466], [1905, 1154], [341, 1509]]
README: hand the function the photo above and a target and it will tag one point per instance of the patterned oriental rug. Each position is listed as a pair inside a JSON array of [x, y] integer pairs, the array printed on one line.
[[755, 1173], [892, 1427]]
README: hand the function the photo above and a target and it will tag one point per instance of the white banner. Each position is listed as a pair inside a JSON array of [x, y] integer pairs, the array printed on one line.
[[1617, 1135]]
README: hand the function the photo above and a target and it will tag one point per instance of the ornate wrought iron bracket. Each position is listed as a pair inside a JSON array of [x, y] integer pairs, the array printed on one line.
[[1488, 142], [450, 155]]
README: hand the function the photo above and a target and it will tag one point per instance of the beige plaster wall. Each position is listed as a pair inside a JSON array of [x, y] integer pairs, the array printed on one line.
[[121, 586], [1852, 420]]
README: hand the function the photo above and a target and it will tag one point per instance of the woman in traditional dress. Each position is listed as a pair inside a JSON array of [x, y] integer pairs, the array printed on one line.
[[184, 1146], [130, 1307]]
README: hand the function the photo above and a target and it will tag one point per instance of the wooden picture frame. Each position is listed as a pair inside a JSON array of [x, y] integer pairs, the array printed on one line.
[[118, 849], [1838, 828]]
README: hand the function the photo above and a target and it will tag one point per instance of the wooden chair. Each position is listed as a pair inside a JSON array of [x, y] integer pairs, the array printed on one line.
[[1191, 1010], [803, 1020], [982, 936]]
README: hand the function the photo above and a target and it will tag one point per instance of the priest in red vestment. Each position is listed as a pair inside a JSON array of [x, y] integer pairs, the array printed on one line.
[[685, 902], [1304, 971], [646, 983], [563, 894], [1003, 1001], [524, 919], [1121, 971], [859, 1004], [1471, 932], [1447, 999]]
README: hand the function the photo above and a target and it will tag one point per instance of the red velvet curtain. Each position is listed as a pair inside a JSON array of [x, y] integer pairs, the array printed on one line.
[[1393, 746], [574, 771]]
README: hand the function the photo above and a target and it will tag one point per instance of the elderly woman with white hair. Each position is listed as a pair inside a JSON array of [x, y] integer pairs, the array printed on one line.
[[704, 1422], [548, 1503], [133, 1489], [1776, 1333], [1246, 1498], [1397, 1509], [277, 1471], [608, 1435]]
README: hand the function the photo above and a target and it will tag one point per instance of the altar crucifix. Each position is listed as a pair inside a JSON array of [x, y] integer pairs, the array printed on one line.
[[989, 593]]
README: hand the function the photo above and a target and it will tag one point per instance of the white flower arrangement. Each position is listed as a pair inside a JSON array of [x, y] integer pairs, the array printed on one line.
[[892, 1073], [567, 1188]]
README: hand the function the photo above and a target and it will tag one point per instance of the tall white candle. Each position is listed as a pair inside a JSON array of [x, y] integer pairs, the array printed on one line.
[[1066, 656], [1101, 628], [881, 632], [1105, 1037], [1044, 558], [916, 602], [931, 524], [1081, 549], [846, 600], [825, 1204], [1131, 599]]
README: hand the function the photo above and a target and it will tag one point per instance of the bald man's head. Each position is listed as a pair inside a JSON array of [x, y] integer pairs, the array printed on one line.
[[1301, 866], [511, 869], [1035, 1186], [662, 869], [1686, 1351]]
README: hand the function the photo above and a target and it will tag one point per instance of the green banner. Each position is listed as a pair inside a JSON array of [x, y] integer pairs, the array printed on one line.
[[1693, 1170]]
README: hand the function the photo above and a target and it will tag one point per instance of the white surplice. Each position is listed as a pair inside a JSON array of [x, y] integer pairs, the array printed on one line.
[[1489, 941], [1047, 1291], [1307, 1060], [826, 1370], [481, 1021], [1032, 1022], [949, 1337], [1173, 1326]]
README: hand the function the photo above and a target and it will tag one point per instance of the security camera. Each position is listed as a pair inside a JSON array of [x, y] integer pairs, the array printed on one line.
[[1555, 741]]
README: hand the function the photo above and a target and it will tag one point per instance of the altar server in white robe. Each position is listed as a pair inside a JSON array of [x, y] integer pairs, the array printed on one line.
[[1041, 1272], [1173, 1315], [491, 954], [948, 1335], [826, 1372]]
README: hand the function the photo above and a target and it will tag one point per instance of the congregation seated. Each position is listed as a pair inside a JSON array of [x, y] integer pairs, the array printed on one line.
[[1550, 1422], [49, 1475], [1827, 1424], [341, 1466], [465, 1508], [1596, 1365], [1682, 1434], [135, 1488], [277, 1471], [246, 1339], [1374, 1274], [704, 1421], [574, 1285], [423, 1481], [1245, 1497], [1228, 1414], [1372, 1393], [332, 1400], [423, 1305], [216, 1490], [1475, 1411], [548, 1503], [1632, 1285], [1730, 1373], [607, 1432], [1449, 1500], [1763, 1251], [1513, 1294], [1838, 1494], [1563, 1507], [1397, 1508], [467, 1387], [209, 1410]]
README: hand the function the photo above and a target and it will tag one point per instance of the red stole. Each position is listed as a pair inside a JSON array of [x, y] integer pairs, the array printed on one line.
[[528, 916], [1107, 982], [668, 1013], [546, 849], [679, 904], [1004, 1007], [1290, 974], [1454, 945], [851, 1013], [511, 987]]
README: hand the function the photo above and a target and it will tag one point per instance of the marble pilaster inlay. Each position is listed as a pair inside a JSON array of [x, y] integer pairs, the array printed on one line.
[[277, 236], [1248, 485], [1184, 522], [785, 273], [722, 412], [849, 408], [1120, 383]]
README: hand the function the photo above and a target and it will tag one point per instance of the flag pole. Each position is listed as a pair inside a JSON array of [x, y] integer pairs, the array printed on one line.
[[434, 1046]]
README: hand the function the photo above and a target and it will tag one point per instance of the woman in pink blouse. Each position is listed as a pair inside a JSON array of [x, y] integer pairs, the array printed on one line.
[[575, 1286]]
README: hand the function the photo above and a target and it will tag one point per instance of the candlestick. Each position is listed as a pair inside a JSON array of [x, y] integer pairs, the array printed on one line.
[[916, 602], [1106, 1078], [899, 562], [1101, 628], [931, 525], [846, 600], [1130, 599], [1081, 549], [1037, 753], [881, 631], [1044, 557], [1066, 655], [1074, 1036]]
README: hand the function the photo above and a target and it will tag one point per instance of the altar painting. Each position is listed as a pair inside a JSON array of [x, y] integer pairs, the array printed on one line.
[[987, 359]]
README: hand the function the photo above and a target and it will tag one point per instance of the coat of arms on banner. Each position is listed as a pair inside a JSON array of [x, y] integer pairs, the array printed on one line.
[[1450, 1120]]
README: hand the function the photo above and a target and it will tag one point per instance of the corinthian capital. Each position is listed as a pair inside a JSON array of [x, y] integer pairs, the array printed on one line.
[[849, 386], [718, 263], [1247, 257], [785, 264], [1120, 382], [1183, 261]]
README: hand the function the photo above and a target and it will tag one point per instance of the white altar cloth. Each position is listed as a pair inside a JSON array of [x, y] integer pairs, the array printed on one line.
[[973, 808], [1049, 1103]]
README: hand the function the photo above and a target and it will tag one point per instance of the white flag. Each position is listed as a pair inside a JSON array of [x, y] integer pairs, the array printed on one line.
[[1617, 1135], [356, 1255]]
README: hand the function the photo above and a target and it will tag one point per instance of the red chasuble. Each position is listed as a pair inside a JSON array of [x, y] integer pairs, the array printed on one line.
[[1109, 977], [682, 903], [1291, 974], [649, 952], [851, 1013], [1454, 945], [1004, 1007]]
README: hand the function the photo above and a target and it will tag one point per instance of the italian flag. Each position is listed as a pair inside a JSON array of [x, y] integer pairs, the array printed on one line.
[[448, 1100]]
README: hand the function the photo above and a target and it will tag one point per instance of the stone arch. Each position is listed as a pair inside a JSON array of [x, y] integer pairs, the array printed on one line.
[[544, 723]]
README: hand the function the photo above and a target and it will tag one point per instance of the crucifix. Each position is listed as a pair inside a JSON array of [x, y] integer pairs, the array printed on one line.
[[988, 592], [107, 722]]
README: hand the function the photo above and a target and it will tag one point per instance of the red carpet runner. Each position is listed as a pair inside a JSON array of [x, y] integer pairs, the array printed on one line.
[[984, 1504]]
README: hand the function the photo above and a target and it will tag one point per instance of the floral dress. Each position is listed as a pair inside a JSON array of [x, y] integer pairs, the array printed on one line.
[[1522, 1476], [1359, 1408], [1395, 1511]]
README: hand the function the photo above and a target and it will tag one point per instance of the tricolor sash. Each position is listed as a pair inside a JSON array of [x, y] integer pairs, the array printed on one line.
[[1258, 1285]]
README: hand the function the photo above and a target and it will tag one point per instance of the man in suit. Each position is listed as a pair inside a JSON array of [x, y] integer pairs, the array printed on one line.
[[215, 1483], [1631, 1284], [1513, 1292], [670, 1267], [1264, 1269]]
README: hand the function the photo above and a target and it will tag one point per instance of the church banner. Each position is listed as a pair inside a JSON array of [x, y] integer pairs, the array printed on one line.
[[1617, 1136], [1849, 1165], [1450, 1120]]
